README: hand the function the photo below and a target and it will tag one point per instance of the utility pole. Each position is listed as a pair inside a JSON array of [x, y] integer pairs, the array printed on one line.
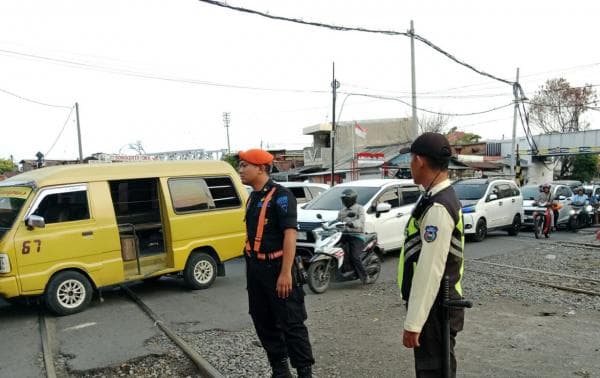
[[226, 121], [78, 132], [334, 86], [414, 122], [514, 130]]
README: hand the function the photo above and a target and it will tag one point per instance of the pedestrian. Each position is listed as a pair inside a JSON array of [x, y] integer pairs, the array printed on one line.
[[275, 293], [433, 248]]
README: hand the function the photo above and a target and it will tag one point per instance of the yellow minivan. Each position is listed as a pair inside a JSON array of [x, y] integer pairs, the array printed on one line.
[[69, 230]]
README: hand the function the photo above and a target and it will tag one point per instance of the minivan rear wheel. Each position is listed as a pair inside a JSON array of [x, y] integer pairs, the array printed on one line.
[[200, 271], [515, 226], [480, 230]]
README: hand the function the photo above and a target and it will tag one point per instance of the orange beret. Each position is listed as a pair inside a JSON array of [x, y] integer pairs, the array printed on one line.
[[256, 156]]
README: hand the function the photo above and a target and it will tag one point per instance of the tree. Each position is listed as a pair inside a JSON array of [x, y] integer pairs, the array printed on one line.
[[232, 159], [6, 165], [557, 108], [458, 137], [434, 123], [585, 167]]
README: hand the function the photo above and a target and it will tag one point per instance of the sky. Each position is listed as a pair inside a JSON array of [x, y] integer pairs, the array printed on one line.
[[171, 49]]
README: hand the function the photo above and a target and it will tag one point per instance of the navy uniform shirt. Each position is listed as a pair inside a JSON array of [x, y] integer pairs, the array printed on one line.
[[281, 214]]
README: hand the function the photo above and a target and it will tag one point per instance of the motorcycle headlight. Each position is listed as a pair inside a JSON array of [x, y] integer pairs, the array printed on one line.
[[588, 208], [4, 263], [572, 212]]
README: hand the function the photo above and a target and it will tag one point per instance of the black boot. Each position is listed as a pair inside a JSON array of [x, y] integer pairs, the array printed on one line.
[[280, 369], [305, 372]]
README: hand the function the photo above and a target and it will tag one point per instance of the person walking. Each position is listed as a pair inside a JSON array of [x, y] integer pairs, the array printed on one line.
[[433, 249], [275, 294]]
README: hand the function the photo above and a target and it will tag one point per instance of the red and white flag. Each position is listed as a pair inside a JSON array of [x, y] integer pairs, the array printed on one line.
[[360, 131]]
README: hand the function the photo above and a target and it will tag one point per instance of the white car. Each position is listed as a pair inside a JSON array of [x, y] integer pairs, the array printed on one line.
[[304, 191], [489, 204], [388, 204], [561, 193]]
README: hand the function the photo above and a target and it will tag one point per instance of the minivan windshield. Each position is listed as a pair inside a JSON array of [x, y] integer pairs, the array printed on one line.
[[11, 202], [331, 198], [466, 191], [531, 192]]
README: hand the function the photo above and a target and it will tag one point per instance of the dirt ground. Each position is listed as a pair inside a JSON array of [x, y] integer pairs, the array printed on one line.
[[502, 338]]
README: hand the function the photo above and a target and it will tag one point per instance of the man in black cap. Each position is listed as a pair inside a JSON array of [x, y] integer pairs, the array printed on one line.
[[433, 248]]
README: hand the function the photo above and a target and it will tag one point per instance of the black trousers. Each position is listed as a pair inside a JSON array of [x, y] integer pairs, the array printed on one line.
[[429, 357], [355, 248], [279, 323]]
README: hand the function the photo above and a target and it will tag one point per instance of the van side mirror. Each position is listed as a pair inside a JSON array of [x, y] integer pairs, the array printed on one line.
[[35, 221], [383, 207], [492, 197]]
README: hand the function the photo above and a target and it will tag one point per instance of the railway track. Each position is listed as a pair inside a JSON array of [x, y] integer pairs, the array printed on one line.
[[563, 243], [48, 337], [565, 282]]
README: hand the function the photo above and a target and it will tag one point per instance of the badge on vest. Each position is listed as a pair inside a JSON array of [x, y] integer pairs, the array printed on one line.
[[430, 233]]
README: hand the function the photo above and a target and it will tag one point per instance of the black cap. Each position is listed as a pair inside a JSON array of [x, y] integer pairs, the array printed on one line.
[[433, 145]]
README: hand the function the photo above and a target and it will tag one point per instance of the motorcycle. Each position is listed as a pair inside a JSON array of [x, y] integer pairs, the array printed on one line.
[[580, 216], [542, 220], [329, 262]]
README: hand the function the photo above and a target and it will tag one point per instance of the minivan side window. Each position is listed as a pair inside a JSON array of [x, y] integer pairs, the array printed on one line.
[[505, 191], [495, 190], [390, 196], [64, 207], [190, 194], [299, 193], [223, 192], [410, 195]]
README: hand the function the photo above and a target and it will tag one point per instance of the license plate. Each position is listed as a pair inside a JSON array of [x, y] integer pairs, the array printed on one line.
[[301, 235]]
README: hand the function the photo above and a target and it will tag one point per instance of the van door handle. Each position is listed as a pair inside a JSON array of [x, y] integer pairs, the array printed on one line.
[[399, 215], [87, 233], [513, 200], [500, 203]]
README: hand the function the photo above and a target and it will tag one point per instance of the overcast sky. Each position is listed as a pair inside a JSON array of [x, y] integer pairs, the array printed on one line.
[[195, 41]]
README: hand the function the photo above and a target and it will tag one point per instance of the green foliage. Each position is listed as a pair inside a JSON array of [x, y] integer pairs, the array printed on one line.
[[6, 165], [585, 167], [231, 159]]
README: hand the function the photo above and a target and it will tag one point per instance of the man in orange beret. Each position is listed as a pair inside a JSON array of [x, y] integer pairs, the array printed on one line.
[[275, 294]]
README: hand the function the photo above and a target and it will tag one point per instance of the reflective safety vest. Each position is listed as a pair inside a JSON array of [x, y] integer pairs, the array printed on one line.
[[411, 249], [260, 228]]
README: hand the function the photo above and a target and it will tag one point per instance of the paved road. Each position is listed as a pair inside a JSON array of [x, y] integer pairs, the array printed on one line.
[[115, 330]]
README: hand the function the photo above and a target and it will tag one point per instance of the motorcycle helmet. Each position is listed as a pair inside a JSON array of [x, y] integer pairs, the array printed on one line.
[[544, 186], [349, 197]]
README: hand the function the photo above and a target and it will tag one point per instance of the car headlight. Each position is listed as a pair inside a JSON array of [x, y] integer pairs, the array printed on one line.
[[468, 209], [4, 263]]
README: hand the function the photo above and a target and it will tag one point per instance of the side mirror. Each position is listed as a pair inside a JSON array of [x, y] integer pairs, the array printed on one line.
[[492, 197], [35, 221], [383, 207]]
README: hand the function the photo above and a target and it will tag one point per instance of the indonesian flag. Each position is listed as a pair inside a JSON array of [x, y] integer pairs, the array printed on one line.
[[360, 131]]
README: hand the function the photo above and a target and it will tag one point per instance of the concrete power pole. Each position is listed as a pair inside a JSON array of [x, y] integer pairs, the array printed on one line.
[[226, 122], [414, 121], [78, 132], [334, 86], [513, 152]]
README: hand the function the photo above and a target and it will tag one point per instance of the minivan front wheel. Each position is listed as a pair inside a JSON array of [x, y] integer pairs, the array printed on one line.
[[200, 271], [68, 292], [480, 230]]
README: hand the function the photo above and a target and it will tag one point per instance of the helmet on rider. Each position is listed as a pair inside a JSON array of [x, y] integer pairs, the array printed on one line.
[[349, 197], [580, 190], [545, 186]]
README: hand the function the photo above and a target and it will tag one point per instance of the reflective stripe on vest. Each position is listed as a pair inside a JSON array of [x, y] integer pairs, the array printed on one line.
[[262, 217]]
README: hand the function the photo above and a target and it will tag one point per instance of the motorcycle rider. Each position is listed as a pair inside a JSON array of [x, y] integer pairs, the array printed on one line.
[[581, 199], [353, 216], [545, 199]]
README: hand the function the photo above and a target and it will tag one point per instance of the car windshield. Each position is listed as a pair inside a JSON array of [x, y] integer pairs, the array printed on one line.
[[331, 198], [466, 191], [530, 192], [11, 202]]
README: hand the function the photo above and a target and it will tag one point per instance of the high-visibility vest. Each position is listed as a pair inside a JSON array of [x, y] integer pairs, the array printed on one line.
[[411, 249], [260, 228]]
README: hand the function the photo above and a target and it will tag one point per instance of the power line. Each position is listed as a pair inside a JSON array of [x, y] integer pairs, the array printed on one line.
[[357, 29], [61, 131], [138, 74], [34, 101], [427, 110]]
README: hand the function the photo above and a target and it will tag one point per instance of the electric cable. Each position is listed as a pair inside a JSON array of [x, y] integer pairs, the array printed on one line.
[[61, 131], [33, 101]]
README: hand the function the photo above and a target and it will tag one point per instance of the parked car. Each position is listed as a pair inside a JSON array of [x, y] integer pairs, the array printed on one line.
[[387, 221], [304, 191], [489, 204], [573, 184], [560, 192]]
